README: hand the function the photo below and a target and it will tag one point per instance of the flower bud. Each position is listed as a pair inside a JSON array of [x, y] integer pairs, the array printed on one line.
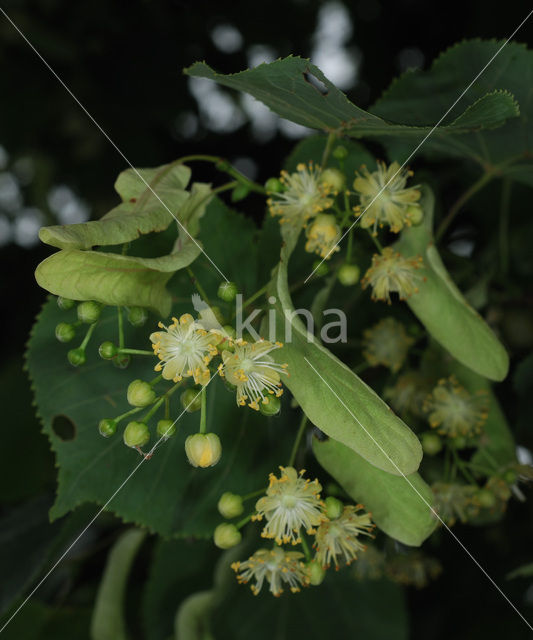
[[414, 214], [431, 443], [191, 400], [274, 185], [121, 361], [107, 427], [271, 406], [203, 449], [240, 192], [136, 434], [65, 332], [230, 505], [137, 316], [340, 152], [140, 394], [333, 178], [320, 268], [316, 573], [510, 476], [459, 442], [166, 428], [107, 350], [89, 311], [76, 357], [226, 536], [333, 507], [486, 498], [65, 303], [348, 274], [227, 291]]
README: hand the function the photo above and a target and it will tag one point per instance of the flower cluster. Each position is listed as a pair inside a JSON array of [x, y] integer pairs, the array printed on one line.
[[386, 343], [409, 393], [390, 273], [323, 236], [455, 501]]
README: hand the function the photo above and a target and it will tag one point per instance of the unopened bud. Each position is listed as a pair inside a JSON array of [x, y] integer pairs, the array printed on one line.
[[340, 153], [274, 185], [107, 350], [270, 406], [316, 573], [240, 192], [76, 357], [137, 316], [348, 274], [414, 214], [191, 400], [65, 332], [431, 443], [333, 507], [230, 505], [333, 178], [320, 268], [140, 394], [121, 360], [89, 311], [226, 536], [107, 427], [136, 434], [486, 498], [203, 449], [65, 303], [227, 291], [166, 428]]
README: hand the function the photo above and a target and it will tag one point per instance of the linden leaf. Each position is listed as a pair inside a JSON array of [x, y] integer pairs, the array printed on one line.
[[442, 308]]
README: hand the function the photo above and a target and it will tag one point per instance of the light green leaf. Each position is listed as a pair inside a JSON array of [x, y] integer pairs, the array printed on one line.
[[108, 621], [443, 310], [297, 90], [340, 404], [141, 211], [115, 279], [401, 507]]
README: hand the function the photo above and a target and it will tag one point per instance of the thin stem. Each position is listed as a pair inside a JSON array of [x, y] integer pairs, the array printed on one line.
[[462, 468], [461, 201], [349, 248], [155, 380], [198, 286], [120, 328], [127, 414], [504, 225], [327, 149], [88, 336], [248, 496], [225, 166], [296, 444], [489, 457], [376, 241], [136, 352], [362, 366], [167, 407], [203, 415], [244, 521], [305, 547], [160, 401]]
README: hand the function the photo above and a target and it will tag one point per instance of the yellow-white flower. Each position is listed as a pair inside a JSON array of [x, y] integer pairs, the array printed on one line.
[[276, 566], [394, 206], [386, 343], [390, 273], [452, 501], [185, 349], [304, 196], [338, 540], [453, 411], [323, 234], [253, 371], [291, 502]]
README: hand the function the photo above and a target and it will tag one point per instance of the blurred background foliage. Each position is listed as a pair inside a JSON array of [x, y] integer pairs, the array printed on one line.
[[124, 64]]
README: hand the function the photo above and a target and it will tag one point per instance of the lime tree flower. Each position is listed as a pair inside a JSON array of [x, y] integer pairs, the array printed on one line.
[[396, 206], [185, 349], [291, 502], [386, 343], [323, 234], [338, 540], [453, 411], [253, 371], [452, 501], [305, 196], [390, 273], [276, 566], [409, 393], [413, 568]]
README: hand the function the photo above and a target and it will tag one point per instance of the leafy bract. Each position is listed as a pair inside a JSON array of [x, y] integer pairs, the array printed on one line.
[[297, 90], [443, 310], [507, 67], [400, 506], [115, 279]]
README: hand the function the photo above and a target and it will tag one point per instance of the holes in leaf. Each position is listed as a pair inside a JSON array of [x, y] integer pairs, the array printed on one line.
[[316, 84], [63, 427]]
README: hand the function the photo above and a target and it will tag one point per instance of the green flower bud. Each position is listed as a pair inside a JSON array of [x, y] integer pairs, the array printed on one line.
[[333, 507], [348, 274], [333, 178], [140, 394], [414, 214], [65, 332], [89, 311], [431, 443], [226, 536], [121, 361], [271, 406], [459, 442], [230, 330], [340, 153], [107, 350], [510, 476], [230, 505], [136, 434], [191, 400], [203, 449], [316, 573], [320, 268], [227, 291], [240, 192], [76, 357], [107, 427], [274, 185], [486, 498], [137, 316], [65, 303], [166, 428]]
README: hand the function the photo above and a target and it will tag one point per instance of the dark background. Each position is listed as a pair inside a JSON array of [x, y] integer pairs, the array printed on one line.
[[123, 61]]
